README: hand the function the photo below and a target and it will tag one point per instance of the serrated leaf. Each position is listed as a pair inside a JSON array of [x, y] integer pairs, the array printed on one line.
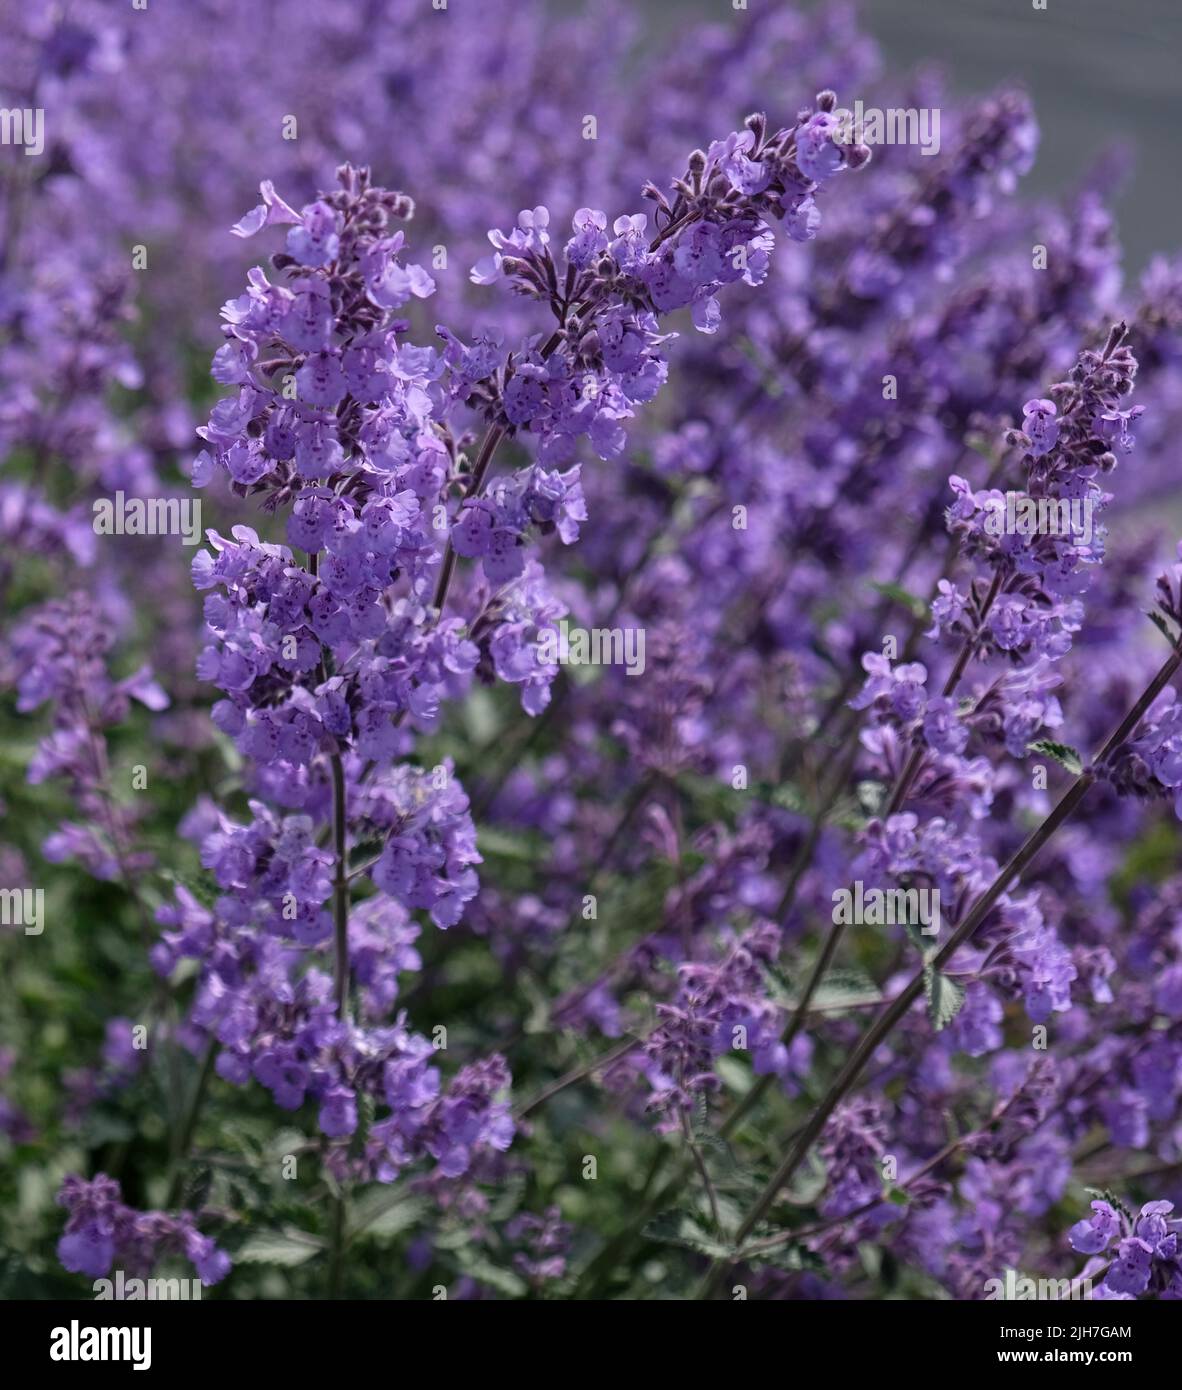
[[1159, 622], [778, 986], [1107, 1195], [1063, 753], [680, 1227], [945, 997], [382, 1213], [792, 1258], [482, 1269], [285, 1141], [841, 988], [278, 1248], [203, 889], [846, 988]]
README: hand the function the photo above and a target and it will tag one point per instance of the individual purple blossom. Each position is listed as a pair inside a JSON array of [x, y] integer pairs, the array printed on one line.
[[1040, 424], [1097, 1233]]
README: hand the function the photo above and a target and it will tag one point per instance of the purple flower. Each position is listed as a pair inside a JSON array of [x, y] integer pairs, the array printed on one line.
[[1097, 1233], [1040, 424]]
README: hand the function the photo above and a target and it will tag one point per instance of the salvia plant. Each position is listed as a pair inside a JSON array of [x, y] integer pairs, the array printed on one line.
[[630, 754]]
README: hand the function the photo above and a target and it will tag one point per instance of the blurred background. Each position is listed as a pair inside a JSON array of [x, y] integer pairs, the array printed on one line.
[[1104, 74]]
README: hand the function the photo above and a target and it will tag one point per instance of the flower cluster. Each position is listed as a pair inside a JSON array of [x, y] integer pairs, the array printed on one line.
[[60, 651], [719, 1008], [102, 1233], [1039, 565], [1141, 1252]]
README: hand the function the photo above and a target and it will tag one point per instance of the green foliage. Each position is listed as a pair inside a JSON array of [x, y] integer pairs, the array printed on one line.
[[945, 997], [1063, 753]]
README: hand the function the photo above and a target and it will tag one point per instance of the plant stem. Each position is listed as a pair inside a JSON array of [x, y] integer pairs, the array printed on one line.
[[488, 447], [898, 1008], [907, 776], [340, 902], [804, 1233], [184, 1139], [336, 1260], [340, 887], [584, 1069], [703, 1172]]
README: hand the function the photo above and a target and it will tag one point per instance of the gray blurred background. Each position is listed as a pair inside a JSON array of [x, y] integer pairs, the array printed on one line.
[[1100, 72]]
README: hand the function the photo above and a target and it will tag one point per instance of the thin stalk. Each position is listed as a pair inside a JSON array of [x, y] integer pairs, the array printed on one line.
[[703, 1172], [907, 776], [336, 1262], [584, 1069], [340, 901], [892, 1015], [488, 447], [188, 1127], [819, 1228], [340, 887]]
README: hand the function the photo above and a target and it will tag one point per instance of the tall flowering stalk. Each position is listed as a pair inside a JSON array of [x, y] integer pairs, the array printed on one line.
[[1035, 574], [339, 422]]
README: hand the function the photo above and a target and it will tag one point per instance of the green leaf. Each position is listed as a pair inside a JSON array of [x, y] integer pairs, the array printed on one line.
[[103, 1128], [203, 889], [734, 1073], [504, 845], [787, 1256], [1107, 1195], [681, 1227], [788, 797], [917, 606], [871, 796], [845, 988], [808, 1184], [778, 986], [1063, 753], [287, 1247], [840, 988], [982, 444], [482, 1269], [382, 1213], [945, 997], [927, 947]]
